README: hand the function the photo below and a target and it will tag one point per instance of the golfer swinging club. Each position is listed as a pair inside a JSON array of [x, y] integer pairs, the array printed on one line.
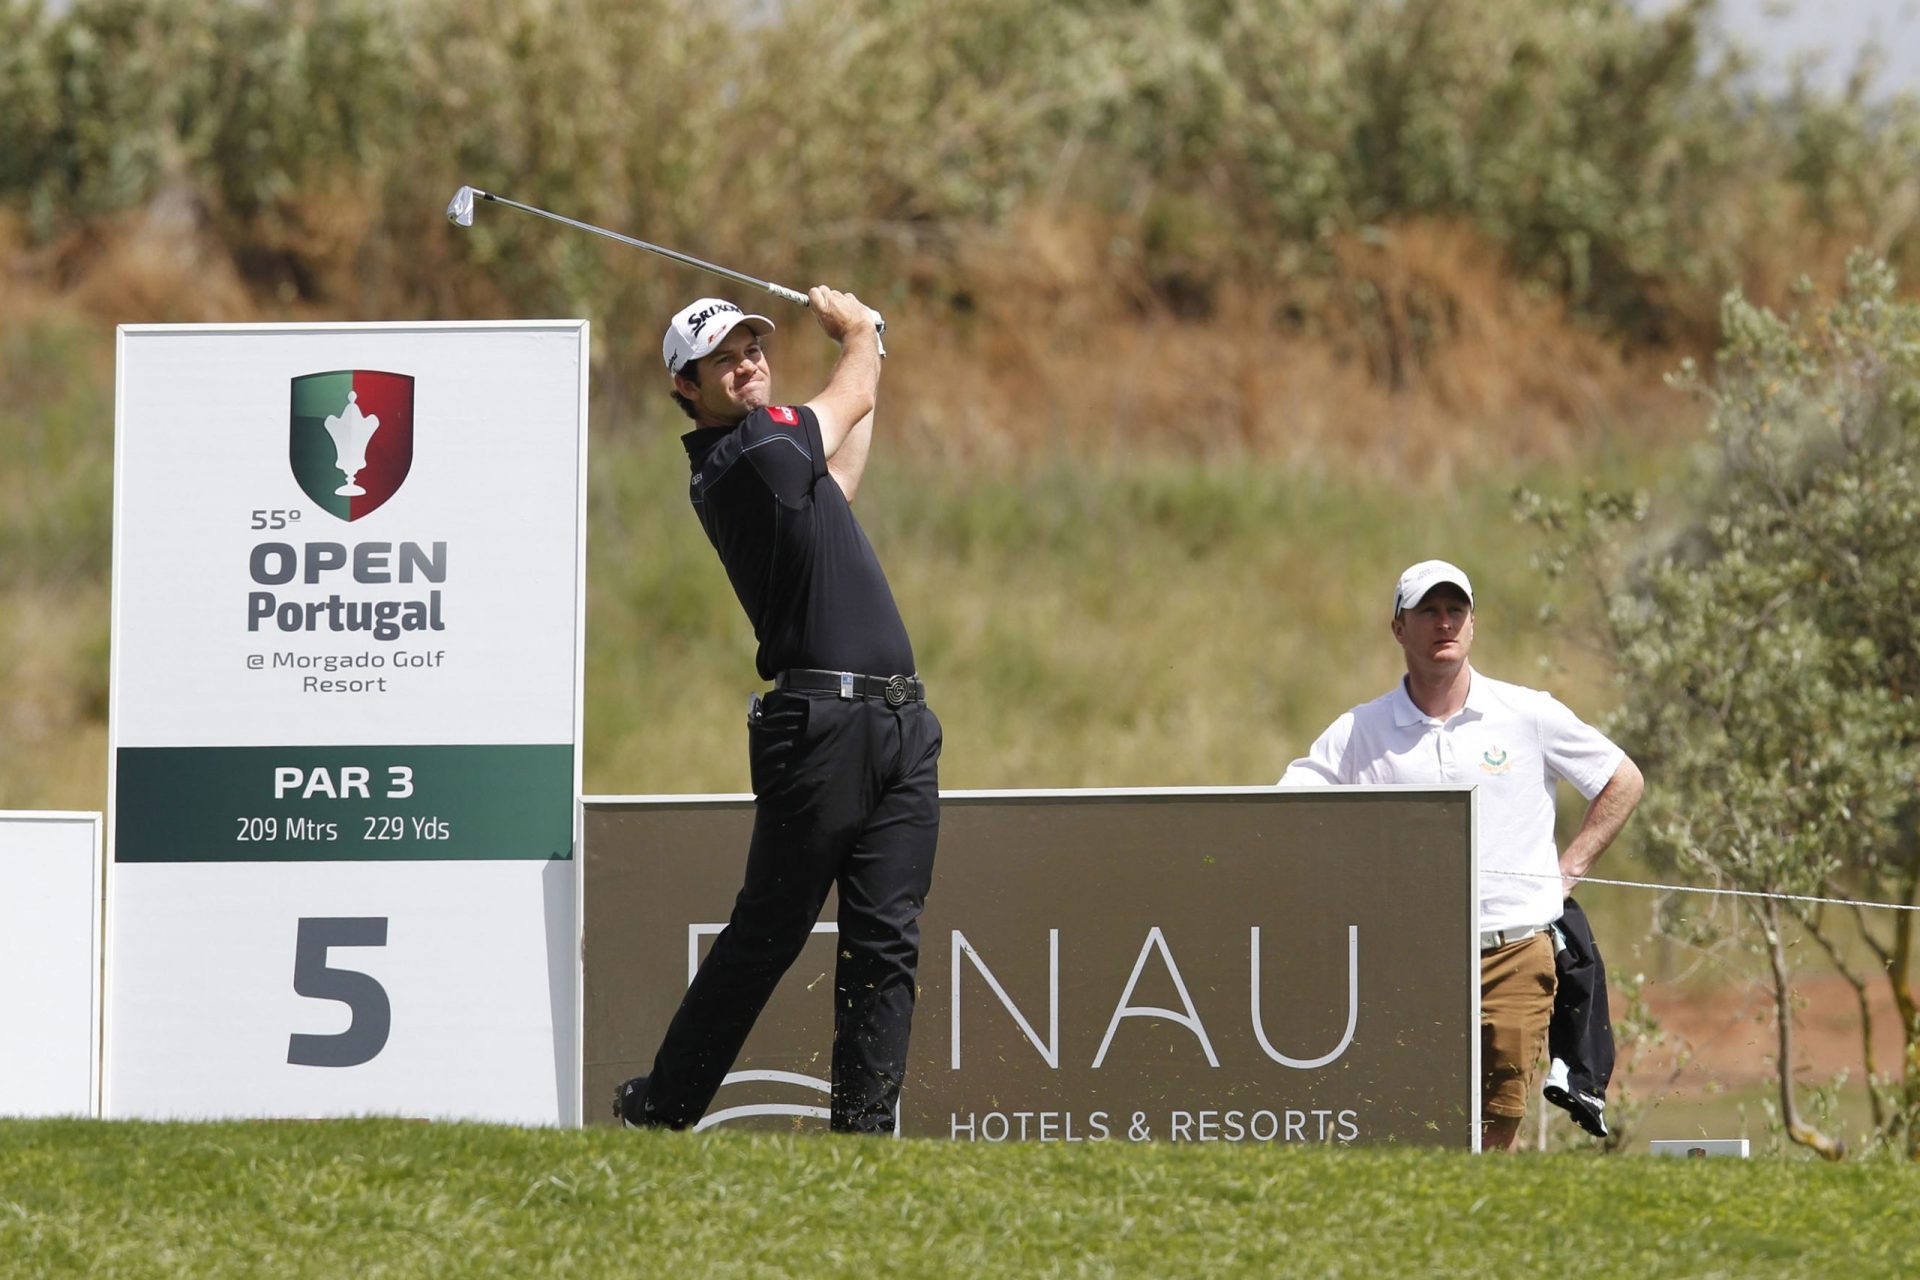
[[844, 749]]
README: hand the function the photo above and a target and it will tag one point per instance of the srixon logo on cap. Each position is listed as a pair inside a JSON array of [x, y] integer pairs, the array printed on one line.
[[698, 320]]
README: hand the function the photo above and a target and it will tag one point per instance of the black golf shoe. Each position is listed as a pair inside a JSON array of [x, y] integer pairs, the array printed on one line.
[[1589, 1112], [629, 1104]]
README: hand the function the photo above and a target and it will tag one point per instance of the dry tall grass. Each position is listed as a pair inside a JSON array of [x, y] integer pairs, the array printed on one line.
[[1421, 356]]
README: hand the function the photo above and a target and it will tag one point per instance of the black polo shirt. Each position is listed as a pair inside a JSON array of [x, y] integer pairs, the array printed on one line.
[[803, 569]]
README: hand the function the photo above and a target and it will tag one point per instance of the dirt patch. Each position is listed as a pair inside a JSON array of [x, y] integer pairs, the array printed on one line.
[[1726, 1038]]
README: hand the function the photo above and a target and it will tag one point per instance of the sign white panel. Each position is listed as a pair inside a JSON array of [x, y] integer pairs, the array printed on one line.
[[49, 963], [348, 596], [480, 532], [431, 989]]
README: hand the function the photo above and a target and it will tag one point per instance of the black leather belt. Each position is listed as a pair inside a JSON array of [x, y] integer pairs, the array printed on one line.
[[893, 690]]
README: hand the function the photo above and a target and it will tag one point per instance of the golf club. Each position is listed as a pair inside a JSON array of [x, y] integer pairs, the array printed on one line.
[[460, 213]]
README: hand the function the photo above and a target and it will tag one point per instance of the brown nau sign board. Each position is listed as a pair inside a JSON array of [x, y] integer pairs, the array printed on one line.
[[1236, 965]]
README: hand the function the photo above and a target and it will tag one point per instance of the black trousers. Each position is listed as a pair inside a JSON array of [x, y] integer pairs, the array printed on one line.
[[847, 796], [1581, 1033]]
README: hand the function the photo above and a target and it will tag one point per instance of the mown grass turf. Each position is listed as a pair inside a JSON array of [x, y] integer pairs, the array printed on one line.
[[393, 1198]]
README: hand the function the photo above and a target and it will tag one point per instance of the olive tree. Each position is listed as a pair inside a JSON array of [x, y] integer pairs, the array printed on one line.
[[1766, 640]]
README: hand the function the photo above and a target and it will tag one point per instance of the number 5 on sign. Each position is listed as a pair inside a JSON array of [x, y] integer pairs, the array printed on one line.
[[366, 1036]]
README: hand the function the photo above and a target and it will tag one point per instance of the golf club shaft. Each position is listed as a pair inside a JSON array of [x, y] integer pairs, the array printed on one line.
[[779, 290]]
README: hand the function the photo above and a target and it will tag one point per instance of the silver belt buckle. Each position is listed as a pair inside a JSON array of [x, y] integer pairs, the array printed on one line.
[[846, 684], [896, 690]]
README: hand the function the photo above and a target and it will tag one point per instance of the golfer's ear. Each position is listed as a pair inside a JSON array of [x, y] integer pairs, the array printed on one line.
[[685, 386]]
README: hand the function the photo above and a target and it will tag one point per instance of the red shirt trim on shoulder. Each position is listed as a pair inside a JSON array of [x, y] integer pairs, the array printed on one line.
[[781, 413]]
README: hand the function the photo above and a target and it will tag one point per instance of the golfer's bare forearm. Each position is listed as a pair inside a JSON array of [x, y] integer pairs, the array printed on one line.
[[1605, 817], [851, 391], [849, 463]]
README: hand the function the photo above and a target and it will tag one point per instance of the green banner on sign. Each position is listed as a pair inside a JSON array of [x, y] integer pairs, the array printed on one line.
[[344, 804]]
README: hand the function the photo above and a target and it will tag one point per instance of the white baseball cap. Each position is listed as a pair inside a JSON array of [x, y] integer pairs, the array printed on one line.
[[1424, 577], [700, 325]]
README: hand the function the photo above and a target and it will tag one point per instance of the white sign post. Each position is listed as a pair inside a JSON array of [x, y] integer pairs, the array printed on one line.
[[49, 963], [346, 696]]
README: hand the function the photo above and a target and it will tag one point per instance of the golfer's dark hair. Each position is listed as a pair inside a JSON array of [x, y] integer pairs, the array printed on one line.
[[691, 372]]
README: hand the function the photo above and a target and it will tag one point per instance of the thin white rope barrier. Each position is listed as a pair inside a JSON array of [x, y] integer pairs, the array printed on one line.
[[1732, 893]]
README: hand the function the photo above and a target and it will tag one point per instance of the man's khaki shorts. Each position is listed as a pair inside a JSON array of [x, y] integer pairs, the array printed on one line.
[[1516, 1003]]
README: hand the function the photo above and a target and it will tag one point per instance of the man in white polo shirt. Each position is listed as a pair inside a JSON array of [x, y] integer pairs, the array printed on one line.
[[1445, 722]]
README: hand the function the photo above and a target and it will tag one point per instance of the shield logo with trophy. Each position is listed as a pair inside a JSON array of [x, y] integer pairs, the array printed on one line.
[[351, 438]]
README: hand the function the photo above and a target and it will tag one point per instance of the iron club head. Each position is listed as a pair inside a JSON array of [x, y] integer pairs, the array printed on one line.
[[460, 208]]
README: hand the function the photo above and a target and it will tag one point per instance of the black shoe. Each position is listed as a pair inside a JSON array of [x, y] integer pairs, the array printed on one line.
[[629, 1103], [1587, 1111]]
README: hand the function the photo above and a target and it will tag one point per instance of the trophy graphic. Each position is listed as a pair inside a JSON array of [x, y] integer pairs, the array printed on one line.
[[333, 416], [351, 430]]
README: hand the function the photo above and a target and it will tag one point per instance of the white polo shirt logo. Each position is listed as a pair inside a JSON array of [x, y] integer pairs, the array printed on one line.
[[1495, 760]]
